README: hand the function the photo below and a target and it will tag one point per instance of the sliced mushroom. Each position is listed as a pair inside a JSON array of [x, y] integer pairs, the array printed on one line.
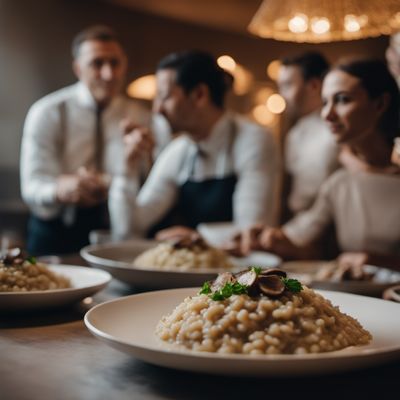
[[222, 279], [13, 256], [247, 278], [272, 286], [189, 242], [272, 271]]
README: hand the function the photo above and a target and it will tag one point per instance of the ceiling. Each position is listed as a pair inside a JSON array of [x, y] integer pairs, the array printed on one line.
[[228, 15]]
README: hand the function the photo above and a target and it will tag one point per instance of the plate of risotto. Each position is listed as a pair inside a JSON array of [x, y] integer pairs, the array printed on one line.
[[27, 284], [183, 262], [369, 280], [252, 323]]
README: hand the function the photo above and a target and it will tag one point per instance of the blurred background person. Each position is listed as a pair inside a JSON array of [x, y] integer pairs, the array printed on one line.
[[310, 150], [73, 144], [393, 60], [361, 102], [223, 168], [393, 56]]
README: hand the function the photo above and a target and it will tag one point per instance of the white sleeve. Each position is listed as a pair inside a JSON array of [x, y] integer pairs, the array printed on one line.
[[40, 156], [258, 169], [133, 213], [310, 224]]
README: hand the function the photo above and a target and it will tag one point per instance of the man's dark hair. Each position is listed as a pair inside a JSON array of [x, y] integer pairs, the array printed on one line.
[[312, 64], [376, 79], [195, 67], [96, 32]]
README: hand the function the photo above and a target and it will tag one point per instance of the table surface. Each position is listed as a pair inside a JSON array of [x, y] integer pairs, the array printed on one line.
[[51, 355]]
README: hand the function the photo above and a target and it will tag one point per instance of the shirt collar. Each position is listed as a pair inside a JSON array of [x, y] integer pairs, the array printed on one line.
[[218, 136], [85, 98]]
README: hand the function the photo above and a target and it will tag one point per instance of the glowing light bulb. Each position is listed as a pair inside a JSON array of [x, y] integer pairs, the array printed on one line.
[[351, 23], [143, 87], [273, 69], [298, 24], [227, 62], [320, 25], [243, 80], [276, 104], [262, 115]]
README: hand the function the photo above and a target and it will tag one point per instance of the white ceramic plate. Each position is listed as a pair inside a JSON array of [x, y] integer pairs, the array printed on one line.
[[306, 270], [128, 324], [85, 282], [116, 258]]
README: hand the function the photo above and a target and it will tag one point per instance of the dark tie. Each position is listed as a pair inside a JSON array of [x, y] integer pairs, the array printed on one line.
[[99, 140]]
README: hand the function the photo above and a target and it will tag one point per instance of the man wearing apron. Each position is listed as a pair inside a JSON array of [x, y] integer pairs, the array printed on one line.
[[221, 168], [72, 145]]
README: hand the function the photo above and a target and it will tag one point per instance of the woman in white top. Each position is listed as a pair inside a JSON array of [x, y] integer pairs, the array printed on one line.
[[361, 107]]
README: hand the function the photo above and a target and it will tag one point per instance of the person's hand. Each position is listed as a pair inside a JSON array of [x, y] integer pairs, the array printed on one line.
[[93, 187], [176, 232], [85, 188], [242, 243], [350, 266], [138, 142]]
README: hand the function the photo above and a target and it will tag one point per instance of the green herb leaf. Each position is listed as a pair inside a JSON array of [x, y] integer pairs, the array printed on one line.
[[292, 284], [31, 259], [257, 270], [227, 291], [206, 288], [238, 288], [217, 296]]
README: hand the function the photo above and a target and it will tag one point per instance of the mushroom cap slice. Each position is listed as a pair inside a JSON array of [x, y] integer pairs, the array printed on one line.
[[247, 278], [272, 271], [272, 285]]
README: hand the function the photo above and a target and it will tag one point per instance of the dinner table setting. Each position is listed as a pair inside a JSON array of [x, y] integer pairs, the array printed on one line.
[[97, 341]]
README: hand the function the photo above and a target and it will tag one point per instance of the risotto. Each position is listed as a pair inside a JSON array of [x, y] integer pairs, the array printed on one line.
[[20, 273], [189, 253], [242, 315]]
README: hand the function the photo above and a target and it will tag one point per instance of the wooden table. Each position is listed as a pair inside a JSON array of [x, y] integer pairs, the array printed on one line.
[[51, 355]]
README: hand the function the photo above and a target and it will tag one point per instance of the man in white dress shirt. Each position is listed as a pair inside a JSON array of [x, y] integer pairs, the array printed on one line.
[[73, 145], [223, 168], [310, 149]]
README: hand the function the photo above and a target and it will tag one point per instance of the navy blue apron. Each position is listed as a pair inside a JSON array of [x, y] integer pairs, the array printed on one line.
[[210, 200], [54, 236], [57, 236]]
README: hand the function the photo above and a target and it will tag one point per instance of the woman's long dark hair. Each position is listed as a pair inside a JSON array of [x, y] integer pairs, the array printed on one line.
[[377, 80]]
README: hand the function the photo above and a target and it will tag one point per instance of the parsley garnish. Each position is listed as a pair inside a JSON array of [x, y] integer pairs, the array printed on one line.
[[206, 288], [227, 291], [292, 284], [257, 270], [31, 259]]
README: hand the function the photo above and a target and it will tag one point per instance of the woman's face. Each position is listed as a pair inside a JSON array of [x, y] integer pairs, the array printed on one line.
[[347, 108]]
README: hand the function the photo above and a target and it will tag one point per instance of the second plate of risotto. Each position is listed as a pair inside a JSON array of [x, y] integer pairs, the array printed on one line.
[[312, 332], [152, 264], [42, 286]]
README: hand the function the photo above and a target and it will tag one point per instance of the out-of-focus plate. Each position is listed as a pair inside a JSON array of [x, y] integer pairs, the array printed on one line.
[[217, 233], [128, 324], [116, 258], [306, 272], [84, 281]]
